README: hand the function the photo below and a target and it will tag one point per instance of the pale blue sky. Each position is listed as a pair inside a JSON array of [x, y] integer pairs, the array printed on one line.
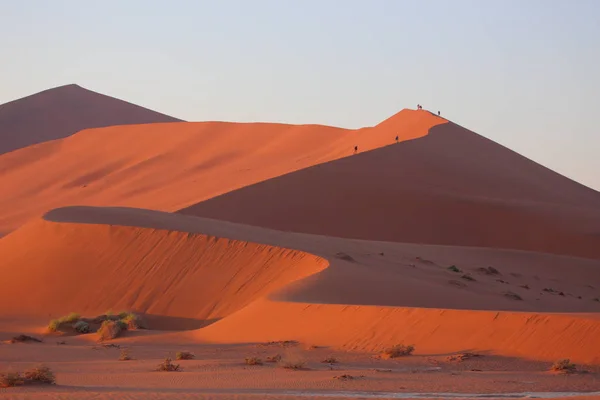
[[525, 73]]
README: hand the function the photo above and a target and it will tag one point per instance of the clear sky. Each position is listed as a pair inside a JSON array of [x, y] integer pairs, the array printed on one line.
[[525, 73]]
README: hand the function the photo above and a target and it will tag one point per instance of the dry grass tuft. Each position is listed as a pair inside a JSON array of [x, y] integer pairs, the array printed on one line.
[[125, 355], [253, 361], [40, 374], [24, 339], [10, 379], [399, 350], [184, 355], [168, 366], [273, 359], [564, 366], [109, 330], [330, 360]]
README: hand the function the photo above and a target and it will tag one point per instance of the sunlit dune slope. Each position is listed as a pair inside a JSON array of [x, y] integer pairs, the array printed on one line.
[[53, 269], [450, 187], [432, 331], [60, 112], [171, 166]]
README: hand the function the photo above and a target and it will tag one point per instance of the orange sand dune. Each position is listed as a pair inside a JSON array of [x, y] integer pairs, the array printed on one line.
[[60, 112], [450, 187], [361, 301], [95, 268], [433, 331], [171, 166]]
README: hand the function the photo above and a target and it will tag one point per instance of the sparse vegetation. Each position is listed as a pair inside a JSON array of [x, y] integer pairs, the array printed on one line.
[[125, 355], [10, 379], [564, 366], [597, 299], [168, 366], [55, 324], [399, 350], [330, 360], [24, 339], [184, 355], [273, 359], [468, 277], [132, 321], [40, 374], [81, 327], [512, 295], [292, 364], [454, 268], [345, 257], [462, 357], [109, 330], [525, 286], [489, 271], [347, 377], [253, 361]]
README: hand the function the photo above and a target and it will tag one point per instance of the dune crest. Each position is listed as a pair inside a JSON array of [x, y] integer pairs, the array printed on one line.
[[62, 111], [171, 166]]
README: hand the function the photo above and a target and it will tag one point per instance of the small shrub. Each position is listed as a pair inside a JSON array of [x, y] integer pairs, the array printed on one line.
[[168, 366], [109, 330], [253, 361], [564, 366], [454, 268], [273, 359], [81, 327], [184, 355], [513, 296], [10, 379], [330, 360], [399, 350], [292, 364], [132, 321], [125, 355], [468, 277], [345, 257], [41, 374], [489, 271], [53, 325], [24, 339], [72, 317]]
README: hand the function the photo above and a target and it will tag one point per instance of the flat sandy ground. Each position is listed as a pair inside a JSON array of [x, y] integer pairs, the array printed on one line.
[[87, 370]]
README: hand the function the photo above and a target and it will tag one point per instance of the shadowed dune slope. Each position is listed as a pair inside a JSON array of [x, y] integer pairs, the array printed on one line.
[[93, 268], [450, 187], [60, 112], [171, 166]]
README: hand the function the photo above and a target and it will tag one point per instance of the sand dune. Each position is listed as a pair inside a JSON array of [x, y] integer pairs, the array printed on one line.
[[279, 290], [171, 166], [451, 187], [95, 268], [60, 112]]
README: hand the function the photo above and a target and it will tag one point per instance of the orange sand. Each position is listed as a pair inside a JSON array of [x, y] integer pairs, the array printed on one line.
[[305, 242], [264, 292], [171, 166]]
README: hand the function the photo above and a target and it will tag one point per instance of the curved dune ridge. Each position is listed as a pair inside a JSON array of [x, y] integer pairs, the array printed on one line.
[[357, 295], [60, 112], [172, 166], [94, 268]]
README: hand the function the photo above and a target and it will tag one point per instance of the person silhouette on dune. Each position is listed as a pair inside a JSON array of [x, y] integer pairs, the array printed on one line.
[[355, 149], [396, 138]]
